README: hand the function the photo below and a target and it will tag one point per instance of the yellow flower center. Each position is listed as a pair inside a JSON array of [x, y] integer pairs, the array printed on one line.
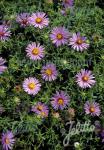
[[85, 78], [48, 72], [92, 109], [31, 86], [43, 114], [39, 107], [59, 36], [35, 51], [79, 41], [38, 20], [60, 101], [7, 141]]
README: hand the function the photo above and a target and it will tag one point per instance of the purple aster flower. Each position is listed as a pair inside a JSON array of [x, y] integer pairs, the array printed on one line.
[[35, 51], [40, 109], [78, 42], [39, 20], [23, 19], [92, 108], [8, 140], [59, 36], [68, 3], [85, 79], [4, 33], [2, 66], [60, 100], [31, 85], [49, 72]]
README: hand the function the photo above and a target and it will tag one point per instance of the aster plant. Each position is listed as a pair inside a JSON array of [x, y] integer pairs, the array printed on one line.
[[40, 109], [49, 72], [35, 51], [8, 140], [4, 33], [78, 42], [85, 79], [59, 36], [60, 100], [31, 85], [39, 20], [92, 108], [23, 19]]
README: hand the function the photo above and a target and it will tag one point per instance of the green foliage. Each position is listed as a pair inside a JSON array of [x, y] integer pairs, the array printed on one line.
[[32, 132]]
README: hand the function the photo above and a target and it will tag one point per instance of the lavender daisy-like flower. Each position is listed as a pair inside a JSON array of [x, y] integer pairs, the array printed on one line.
[[35, 51], [59, 36], [23, 19], [68, 3], [92, 108], [2, 66], [31, 85], [85, 79], [49, 72], [39, 20], [7, 140], [78, 42], [40, 109], [4, 33], [60, 100]]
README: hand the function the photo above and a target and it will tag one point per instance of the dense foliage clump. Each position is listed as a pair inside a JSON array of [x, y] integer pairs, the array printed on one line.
[[51, 72]]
